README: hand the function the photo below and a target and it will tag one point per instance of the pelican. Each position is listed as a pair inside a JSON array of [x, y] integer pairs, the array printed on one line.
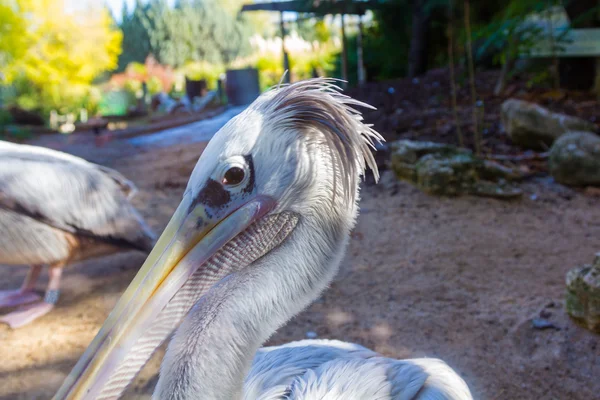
[[56, 208], [260, 232]]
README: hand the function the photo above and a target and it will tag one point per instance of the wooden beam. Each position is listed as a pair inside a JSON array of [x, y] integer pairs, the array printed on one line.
[[286, 59], [344, 54], [322, 8], [359, 53]]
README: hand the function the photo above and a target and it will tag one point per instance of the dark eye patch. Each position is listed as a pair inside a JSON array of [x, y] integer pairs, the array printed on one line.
[[213, 195]]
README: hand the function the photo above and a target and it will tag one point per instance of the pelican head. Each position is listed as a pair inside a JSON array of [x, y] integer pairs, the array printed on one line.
[[292, 160]]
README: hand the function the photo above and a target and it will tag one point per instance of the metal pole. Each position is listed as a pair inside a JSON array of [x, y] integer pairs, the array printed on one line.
[[286, 60], [344, 55], [359, 53]]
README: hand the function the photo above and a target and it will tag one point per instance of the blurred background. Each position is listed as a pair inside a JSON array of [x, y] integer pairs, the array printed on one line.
[[477, 246], [65, 62]]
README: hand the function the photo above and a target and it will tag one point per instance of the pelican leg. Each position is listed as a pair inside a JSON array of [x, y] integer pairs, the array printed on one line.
[[29, 313], [24, 295]]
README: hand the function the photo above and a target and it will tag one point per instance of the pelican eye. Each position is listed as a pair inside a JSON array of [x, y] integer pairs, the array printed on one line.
[[233, 176]]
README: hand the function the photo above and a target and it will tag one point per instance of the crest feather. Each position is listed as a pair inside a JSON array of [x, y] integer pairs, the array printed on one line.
[[316, 106]]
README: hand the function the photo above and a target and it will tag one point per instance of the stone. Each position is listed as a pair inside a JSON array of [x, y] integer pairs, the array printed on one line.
[[442, 169], [409, 151], [542, 324], [583, 295], [575, 159], [532, 126]]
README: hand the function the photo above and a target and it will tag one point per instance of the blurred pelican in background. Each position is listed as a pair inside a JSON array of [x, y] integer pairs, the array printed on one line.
[[56, 208], [261, 231]]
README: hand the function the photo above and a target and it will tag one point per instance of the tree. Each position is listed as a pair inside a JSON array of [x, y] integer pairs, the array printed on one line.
[[136, 40], [417, 55], [63, 53], [204, 30], [313, 29], [13, 33], [193, 30]]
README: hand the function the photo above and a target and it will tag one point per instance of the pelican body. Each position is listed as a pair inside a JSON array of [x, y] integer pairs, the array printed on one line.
[[260, 232], [56, 208]]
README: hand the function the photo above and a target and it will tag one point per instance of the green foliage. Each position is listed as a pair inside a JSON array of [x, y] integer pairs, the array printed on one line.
[[153, 85], [136, 41], [386, 42], [508, 35], [5, 119], [115, 102], [302, 64], [198, 70], [335, 68], [10, 131], [193, 30], [313, 29], [13, 29], [62, 54], [498, 33]]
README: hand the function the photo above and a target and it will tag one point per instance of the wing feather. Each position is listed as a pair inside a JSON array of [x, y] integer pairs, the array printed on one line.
[[71, 194], [334, 370]]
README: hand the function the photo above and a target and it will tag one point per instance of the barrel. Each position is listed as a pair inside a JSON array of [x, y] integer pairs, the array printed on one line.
[[195, 88], [242, 86]]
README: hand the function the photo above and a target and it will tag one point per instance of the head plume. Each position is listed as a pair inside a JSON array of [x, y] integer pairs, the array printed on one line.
[[317, 107]]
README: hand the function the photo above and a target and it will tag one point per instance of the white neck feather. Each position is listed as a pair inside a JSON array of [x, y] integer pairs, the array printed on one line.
[[212, 351]]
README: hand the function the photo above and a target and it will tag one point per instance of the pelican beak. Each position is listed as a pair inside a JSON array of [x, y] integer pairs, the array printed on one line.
[[195, 233]]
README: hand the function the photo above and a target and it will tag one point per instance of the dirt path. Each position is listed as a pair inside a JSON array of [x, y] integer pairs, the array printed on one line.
[[458, 279]]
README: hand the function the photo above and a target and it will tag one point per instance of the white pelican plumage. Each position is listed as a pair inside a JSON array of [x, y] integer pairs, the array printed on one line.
[[56, 208], [260, 232]]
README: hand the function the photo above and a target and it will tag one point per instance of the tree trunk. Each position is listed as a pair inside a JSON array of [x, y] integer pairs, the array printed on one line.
[[417, 56], [579, 73]]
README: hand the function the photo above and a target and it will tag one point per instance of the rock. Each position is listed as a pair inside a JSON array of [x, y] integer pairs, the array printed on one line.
[[592, 191], [575, 159], [535, 127], [409, 151], [387, 183], [441, 169], [311, 335], [541, 324], [583, 295]]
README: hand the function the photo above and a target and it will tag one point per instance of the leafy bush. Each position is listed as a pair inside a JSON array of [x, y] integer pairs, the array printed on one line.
[[304, 56], [63, 53], [207, 30], [9, 131], [198, 70], [5, 119], [115, 102], [510, 34]]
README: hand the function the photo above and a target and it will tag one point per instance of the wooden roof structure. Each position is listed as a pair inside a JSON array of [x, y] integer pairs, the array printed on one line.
[[318, 7], [322, 8]]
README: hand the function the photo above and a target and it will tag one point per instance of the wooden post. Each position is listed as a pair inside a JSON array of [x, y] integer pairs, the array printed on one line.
[[359, 53], [286, 59], [344, 55]]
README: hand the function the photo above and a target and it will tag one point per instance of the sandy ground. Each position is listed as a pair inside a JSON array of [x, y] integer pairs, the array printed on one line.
[[458, 279]]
